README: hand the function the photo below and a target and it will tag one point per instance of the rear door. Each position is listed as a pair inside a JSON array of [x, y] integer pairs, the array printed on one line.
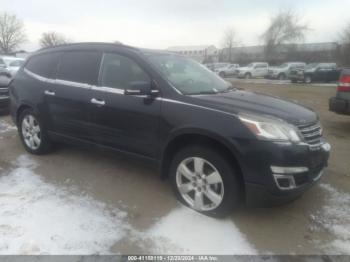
[[68, 98], [41, 70], [124, 122]]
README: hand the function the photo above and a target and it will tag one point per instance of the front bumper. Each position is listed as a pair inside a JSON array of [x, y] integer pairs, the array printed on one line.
[[272, 75], [339, 106], [264, 186]]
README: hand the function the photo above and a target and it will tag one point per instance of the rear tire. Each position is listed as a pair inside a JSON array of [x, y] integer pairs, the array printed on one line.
[[33, 134], [212, 190], [248, 76]]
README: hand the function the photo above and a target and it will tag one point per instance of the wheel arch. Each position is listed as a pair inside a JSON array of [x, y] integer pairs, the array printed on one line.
[[197, 137], [20, 109]]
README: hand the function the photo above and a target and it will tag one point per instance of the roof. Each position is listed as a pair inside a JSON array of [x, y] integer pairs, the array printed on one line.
[[86, 45]]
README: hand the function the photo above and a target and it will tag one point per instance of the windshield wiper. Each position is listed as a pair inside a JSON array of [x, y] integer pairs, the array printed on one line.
[[209, 92], [230, 88]]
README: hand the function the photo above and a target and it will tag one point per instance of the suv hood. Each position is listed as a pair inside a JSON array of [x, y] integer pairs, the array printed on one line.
[[255, 103]]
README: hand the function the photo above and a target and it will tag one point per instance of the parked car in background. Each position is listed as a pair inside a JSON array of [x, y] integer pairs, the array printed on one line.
[[4, 93], [12, 63], [214, 66], [218, 145], [228, 70], [258, 69], [341, 102], [282, 72], [316, 72]]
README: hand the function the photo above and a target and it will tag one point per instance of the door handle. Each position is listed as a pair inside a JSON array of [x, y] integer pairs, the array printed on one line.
[[49, 93], [98, 102]]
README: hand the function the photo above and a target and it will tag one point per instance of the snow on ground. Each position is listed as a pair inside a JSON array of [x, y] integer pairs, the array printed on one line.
[[6, 127], [185, 231], [39, 218], [334, 218]]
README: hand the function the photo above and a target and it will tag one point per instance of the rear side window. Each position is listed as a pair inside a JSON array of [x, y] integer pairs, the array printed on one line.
[[120, 71], [44, 65], [80, 67]]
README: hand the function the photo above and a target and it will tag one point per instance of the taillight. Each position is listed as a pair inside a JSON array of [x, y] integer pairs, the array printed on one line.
[[344, 84]]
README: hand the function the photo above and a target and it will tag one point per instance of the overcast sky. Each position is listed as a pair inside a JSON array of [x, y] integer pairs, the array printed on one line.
[[163, 23]]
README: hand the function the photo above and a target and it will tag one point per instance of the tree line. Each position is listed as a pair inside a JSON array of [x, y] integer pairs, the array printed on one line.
[[12, 35], [285, 28]]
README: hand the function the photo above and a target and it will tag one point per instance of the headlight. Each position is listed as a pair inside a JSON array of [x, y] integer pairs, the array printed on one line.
[[270, 128]]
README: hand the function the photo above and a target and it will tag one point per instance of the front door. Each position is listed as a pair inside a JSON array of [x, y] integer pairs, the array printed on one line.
[[121, 121], [260, 70]]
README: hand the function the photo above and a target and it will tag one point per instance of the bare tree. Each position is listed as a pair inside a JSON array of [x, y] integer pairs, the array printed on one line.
[[11, 33], [229, 41], [284, 28], [49, 39], [345, 46]]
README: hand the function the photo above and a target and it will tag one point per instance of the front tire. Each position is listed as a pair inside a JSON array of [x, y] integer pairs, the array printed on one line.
[[33, 134], [222, 74], [205, 181], [248, 76]]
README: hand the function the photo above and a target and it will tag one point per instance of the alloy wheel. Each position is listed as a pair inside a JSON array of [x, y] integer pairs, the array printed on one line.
[[31, 132], [200, 184]]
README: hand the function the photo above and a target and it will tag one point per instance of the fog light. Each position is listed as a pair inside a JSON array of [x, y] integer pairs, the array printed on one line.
[[288, 170], [284, 182]]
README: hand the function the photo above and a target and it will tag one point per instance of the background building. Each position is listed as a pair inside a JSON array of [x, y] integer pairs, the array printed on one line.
[[201, 53]]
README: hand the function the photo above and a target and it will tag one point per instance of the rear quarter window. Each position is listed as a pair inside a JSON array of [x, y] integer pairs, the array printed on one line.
[[44, 65], [80, 66]]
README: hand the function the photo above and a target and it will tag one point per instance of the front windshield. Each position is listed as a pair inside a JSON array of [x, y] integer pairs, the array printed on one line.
[[188, 76]]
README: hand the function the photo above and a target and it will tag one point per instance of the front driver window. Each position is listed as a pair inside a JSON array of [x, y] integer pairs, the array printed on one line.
[[119, 71]]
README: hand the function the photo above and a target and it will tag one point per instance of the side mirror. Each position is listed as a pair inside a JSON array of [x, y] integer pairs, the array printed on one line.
[[138, 88], [143, 88]]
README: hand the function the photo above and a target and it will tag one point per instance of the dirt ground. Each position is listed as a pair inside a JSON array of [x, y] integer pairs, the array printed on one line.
[[317, 223]]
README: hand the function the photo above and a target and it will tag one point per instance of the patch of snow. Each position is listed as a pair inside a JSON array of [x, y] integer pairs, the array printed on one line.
[[6, 127], [184, 231], [39, 218], [335, 219]]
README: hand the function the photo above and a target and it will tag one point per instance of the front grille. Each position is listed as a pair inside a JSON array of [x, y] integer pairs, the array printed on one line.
[[4, 91], [312, 133]]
